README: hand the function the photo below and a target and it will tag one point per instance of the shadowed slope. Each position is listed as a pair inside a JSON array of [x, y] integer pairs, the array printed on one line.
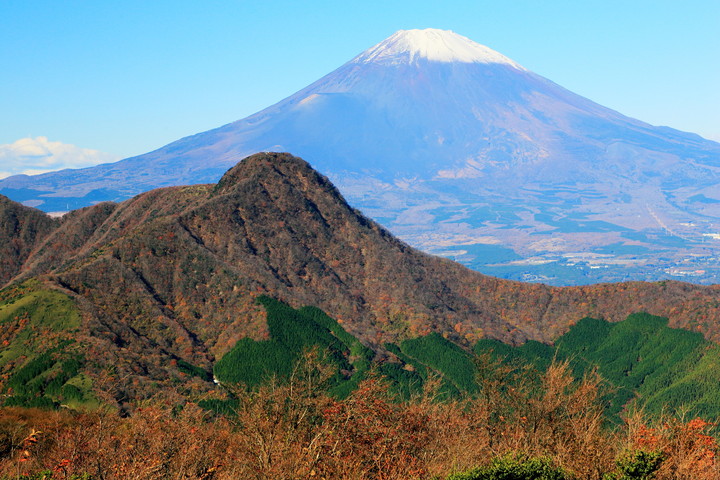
[[21, 228]]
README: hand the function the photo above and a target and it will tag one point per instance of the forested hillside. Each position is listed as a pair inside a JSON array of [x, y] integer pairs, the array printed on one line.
[[292, 415], [339, 351], [171, 278]]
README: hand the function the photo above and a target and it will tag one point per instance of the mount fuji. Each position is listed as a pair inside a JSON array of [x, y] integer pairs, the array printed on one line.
[[462, 152]]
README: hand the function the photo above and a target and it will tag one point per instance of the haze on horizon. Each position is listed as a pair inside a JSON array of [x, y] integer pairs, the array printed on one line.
[[127, 79]]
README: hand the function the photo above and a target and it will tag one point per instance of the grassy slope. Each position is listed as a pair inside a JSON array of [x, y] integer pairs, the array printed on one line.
[[40, 359]]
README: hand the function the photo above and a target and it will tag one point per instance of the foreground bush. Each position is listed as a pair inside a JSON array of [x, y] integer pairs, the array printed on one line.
[[514, 467], [637, 465]]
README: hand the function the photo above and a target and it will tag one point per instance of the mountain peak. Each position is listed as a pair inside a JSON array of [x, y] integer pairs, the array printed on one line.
[[275, 168], [259, 164], [408, 46]]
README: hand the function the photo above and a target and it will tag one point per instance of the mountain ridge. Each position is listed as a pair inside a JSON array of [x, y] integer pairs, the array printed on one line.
[[273, 208], [440, 152], [172, 277]]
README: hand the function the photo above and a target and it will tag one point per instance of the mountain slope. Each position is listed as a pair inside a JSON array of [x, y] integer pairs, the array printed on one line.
[[21, 228], [463, 152], [172, 276], [666, 371], [198, 255]]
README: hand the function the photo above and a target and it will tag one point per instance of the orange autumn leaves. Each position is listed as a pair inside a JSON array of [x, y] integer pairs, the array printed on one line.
[[688, 450], [296, 431]]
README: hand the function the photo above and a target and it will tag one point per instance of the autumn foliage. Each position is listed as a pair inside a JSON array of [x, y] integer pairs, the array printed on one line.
[[296, 431]]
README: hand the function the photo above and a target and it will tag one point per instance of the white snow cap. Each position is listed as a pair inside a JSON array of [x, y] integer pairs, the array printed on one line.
[[407, 46]]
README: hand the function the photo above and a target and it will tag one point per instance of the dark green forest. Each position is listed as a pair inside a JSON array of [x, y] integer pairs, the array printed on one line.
[[644, 363]]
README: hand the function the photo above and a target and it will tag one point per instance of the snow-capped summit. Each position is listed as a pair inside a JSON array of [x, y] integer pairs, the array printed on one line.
[[458, 149], [408, 46]]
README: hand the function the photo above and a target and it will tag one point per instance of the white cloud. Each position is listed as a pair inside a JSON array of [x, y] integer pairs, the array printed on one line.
[[39, 155]]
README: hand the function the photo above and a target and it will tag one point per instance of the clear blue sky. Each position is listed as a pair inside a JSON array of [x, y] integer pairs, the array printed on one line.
[[126, 77]]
